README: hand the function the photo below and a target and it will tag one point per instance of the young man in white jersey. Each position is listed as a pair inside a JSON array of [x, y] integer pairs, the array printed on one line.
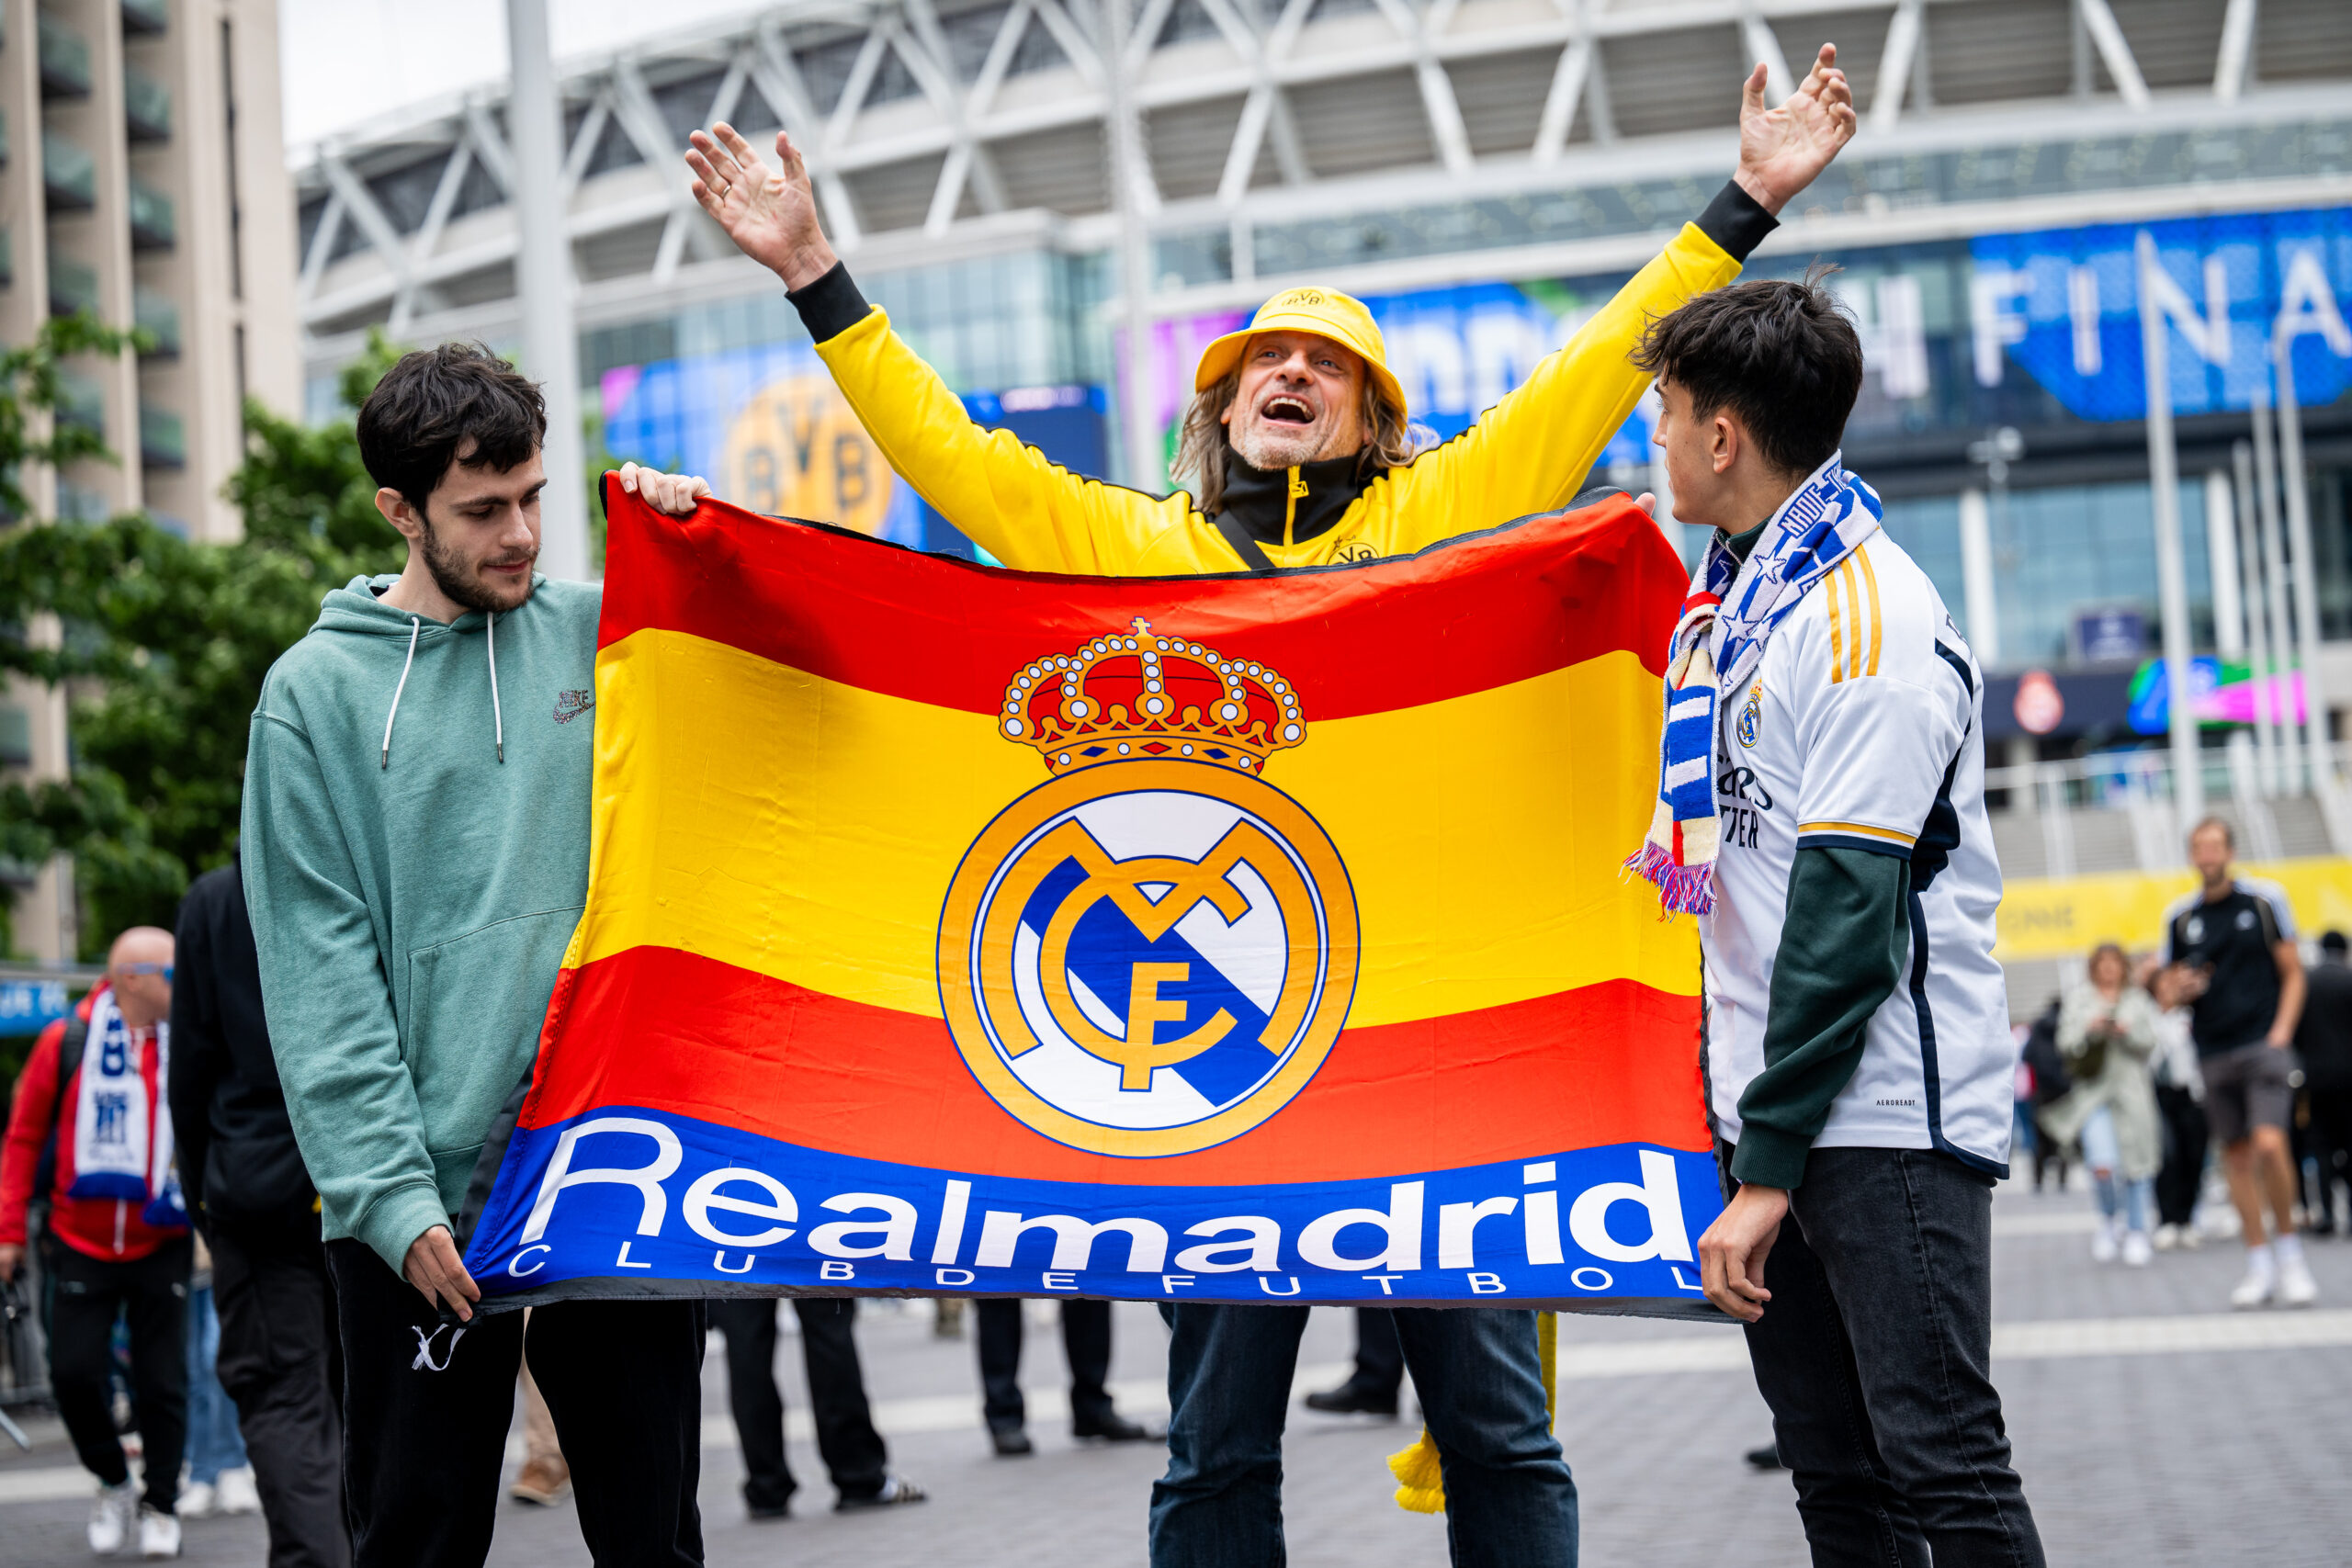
[[1823, 812]]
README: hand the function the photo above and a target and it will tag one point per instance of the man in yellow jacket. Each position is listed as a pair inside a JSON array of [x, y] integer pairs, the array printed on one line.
[[1297, 451]]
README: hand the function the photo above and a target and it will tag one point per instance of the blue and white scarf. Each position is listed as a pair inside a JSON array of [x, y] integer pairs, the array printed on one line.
[[122, 1127], [1730, 612]]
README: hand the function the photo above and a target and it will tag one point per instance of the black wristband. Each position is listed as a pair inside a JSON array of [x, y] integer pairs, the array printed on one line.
[[832, 305], [1734, 220]]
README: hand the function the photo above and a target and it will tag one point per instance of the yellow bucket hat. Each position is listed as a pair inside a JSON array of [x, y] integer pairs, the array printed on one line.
[[1324, 311]]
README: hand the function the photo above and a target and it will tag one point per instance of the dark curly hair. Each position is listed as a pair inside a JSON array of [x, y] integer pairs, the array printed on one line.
[[1778, 352], [458, 403]]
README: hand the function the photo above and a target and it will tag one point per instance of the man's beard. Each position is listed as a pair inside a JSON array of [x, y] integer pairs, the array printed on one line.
[[451, 576], [1268, 449]]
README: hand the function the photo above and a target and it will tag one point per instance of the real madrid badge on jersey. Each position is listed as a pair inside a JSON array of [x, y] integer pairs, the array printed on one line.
[[1751, 714]]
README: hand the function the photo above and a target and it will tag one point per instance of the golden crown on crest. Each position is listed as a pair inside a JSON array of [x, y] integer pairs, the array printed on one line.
[[1129, 698]]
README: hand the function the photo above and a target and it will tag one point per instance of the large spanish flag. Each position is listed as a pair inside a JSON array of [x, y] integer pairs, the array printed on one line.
[[1233, 938]]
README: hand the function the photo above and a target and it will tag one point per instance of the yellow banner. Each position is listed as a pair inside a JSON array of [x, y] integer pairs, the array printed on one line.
[[2066, 917]]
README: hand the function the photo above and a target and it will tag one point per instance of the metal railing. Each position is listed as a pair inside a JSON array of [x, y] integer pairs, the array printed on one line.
[[64, 59], [73, 284], [154, 221], [2312, 814], [69, 176], [146, 107], [163, 438], [154, 313]]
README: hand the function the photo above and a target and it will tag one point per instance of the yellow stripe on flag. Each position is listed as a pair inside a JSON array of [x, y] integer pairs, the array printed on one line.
[[734, 819]]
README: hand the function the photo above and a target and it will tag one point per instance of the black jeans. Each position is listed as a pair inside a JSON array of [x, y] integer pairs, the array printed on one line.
[[2329, 1141], [1875, 1354], [151, 1293], [2184, 1166], [1086, 1340], [281, 1362], [852, 1450], [427, 1405]]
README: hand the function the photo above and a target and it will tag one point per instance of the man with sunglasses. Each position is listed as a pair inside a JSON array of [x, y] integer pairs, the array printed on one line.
[[89, 1135]]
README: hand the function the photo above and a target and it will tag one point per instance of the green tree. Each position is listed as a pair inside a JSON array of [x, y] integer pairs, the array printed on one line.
[[164, 642]]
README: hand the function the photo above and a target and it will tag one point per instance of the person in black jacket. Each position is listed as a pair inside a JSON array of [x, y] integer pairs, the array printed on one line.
[[246, 1187], [2323, 1041]]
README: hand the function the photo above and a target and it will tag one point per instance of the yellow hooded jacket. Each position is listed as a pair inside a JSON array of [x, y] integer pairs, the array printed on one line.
[[1524, 457]]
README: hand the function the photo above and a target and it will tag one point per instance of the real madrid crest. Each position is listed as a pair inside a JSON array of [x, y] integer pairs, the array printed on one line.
[[1153, 951], [1750, 714]]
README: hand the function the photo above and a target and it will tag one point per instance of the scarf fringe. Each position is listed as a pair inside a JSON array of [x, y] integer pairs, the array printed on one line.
[[1681, 889]]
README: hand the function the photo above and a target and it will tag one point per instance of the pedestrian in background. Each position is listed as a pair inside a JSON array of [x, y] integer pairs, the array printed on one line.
[[220, 1481], [855, 1454], [2107, 1031], [2323, 1041], [1373, 1387], [89, 1134], [250, 1193], [2230, 948], [1085, 1343], [2180, 1113]]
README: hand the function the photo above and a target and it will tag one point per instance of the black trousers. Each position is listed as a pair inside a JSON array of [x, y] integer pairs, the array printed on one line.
[[1086, 1340], [853, 1452], [2184, 1166], [151, 1293], [1380, 1355], [1875, 1354], [427, 1405], [282, 1364], [2329, 1141]]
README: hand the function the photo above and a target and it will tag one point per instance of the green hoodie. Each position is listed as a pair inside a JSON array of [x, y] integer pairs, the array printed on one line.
[[415, 847]]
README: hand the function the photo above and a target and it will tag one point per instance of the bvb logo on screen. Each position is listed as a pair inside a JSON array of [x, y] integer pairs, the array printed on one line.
[[1154, 951], [797, 450]]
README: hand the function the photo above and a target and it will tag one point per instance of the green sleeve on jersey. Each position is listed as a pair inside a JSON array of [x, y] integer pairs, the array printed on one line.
[[1839, 960]]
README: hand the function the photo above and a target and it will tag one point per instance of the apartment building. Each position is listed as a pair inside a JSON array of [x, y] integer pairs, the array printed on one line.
[[142, 176]]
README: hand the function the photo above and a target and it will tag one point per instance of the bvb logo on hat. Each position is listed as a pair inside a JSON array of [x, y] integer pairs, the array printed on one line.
[[1153, 952]]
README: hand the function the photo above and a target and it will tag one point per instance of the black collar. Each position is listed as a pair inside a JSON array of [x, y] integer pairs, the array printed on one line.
[[1260, 499]]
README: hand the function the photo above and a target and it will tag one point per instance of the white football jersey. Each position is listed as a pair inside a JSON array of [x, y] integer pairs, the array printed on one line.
[[1861, 728]]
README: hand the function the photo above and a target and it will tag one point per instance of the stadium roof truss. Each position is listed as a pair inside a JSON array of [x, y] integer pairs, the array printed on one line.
[[943, 128]]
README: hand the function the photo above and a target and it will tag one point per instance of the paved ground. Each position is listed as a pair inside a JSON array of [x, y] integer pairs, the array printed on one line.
[[2152, 1428]]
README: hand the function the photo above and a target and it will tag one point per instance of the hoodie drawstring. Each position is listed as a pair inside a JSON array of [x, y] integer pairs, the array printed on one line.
[[416, 627], [497, 719]]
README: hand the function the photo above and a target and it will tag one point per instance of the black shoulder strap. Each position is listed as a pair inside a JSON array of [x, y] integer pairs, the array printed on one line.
[[1252, 557], [69, 1062], [69, 1049]]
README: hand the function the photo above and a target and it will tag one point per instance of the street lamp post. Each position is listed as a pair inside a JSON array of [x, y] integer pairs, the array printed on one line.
[[543, 285]]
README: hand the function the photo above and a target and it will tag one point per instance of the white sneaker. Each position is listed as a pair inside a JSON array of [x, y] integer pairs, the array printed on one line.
[[112, 1516], [159, 1533], [2168, 1237], [2296, 1286], [198, 1499], [2136, 1253], [2103, 1242], [236, 1492], [2192, 1238], [2260, 1282]]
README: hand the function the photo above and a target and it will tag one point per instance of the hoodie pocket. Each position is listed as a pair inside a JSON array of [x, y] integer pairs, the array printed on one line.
[[476, 1003]]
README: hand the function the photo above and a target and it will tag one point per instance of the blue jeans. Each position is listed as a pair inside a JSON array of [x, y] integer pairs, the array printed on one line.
[[2102, 1153], [1509, 1502], [214, 1444]]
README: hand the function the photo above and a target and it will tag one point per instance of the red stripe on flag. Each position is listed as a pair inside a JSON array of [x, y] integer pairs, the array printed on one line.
[[938, 630], [668, 1031]]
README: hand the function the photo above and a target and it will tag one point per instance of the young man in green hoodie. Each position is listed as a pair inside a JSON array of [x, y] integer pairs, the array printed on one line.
[[414, 865]]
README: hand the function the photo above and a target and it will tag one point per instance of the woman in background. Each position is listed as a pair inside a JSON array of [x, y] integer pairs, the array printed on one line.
[[2106, 1031]]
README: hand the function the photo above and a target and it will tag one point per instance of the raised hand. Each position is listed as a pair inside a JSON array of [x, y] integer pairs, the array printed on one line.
[[771, 214], [1782, 150]]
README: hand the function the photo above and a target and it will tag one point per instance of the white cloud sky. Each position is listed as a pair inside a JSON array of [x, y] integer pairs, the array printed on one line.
[[345, 61]]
